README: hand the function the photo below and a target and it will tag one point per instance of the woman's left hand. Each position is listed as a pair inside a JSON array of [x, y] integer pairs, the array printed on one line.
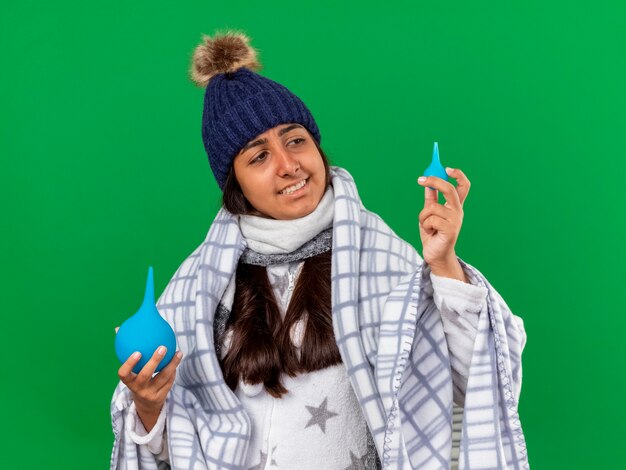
[[440, 224]]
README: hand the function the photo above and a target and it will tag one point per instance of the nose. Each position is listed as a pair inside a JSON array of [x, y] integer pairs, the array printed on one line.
[[287, 164]]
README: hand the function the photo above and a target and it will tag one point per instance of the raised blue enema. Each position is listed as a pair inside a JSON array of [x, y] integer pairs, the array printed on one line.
[[145, 331], [436, 168]]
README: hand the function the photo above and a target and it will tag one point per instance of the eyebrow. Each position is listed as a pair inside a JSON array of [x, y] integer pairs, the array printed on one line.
[[283, 131]]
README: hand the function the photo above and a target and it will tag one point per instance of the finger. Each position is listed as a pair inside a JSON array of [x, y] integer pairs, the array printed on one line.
[[437, 209], [165, 386], [116, 328], [446, 188], [428, 231], [145, 374], [435, 222], [125, 372], [431, 197], [168, 373], [462, 183]]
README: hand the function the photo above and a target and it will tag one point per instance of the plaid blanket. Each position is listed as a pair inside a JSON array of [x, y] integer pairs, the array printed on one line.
[[390, 336]]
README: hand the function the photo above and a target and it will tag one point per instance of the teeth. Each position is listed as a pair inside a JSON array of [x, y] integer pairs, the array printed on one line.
[[293, 188]]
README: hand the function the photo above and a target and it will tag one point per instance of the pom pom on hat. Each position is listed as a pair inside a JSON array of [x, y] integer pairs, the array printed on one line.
[[225, 52]]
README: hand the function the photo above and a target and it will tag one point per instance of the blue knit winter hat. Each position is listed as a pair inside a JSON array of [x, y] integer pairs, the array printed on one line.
[[239, 104]]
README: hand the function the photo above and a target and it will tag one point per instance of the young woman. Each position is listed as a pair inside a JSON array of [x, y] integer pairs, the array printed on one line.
[[311, 336]]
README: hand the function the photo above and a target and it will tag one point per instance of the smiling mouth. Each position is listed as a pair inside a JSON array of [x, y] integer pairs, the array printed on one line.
[[295, 187]]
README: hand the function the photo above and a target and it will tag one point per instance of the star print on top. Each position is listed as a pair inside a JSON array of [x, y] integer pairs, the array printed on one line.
[[320, 415], [357, 463], [263, 461]]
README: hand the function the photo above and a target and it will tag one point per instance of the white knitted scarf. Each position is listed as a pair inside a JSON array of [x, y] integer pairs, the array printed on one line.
[[272, 236]]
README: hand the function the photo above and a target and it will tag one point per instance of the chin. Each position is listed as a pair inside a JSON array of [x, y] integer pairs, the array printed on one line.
[[296, 214], [300, 208]]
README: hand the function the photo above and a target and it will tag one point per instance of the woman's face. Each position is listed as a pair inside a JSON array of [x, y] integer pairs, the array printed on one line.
[[271, 168]]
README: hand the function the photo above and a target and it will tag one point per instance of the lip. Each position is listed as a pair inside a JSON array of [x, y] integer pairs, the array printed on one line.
[[297, 191]]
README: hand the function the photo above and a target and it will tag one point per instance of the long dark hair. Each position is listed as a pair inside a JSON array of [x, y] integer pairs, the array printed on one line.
[[261, 347]]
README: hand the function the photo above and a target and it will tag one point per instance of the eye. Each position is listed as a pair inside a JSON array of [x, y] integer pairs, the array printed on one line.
[[263, 155], [258, 157]]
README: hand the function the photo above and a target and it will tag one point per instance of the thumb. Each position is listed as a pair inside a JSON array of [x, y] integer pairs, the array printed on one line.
[[116, 328]]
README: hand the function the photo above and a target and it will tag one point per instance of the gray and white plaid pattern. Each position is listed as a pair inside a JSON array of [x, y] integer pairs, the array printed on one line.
[[391, 340]]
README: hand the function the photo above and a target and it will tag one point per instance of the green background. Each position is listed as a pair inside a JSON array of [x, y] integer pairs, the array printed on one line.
[[104, 173]]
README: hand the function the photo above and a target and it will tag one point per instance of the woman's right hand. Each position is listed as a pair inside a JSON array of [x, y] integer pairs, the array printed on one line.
[[149, 392]]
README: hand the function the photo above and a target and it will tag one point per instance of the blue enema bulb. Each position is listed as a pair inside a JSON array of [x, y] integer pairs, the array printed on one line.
[[436, 168], [145, 331]]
